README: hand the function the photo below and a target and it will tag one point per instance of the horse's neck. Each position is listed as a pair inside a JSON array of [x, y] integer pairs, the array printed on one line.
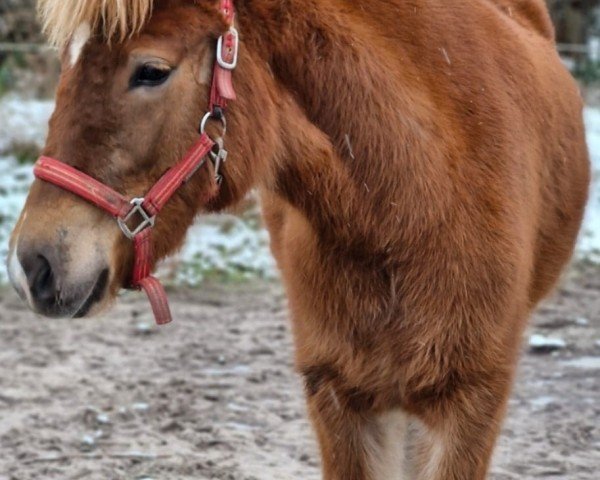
[[347, 82], [344, 72], [312, 177]]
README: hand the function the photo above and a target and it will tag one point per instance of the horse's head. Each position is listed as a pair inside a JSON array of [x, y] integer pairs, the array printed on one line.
[[130, 97]]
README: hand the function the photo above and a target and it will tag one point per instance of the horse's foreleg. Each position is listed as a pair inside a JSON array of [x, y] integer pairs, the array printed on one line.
[[341, 439], [356, 443], [457, 433]]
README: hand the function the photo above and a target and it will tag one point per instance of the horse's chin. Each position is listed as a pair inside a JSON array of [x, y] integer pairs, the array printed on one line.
[[86, 310], [94, 303], [98, 309], [97, 299]]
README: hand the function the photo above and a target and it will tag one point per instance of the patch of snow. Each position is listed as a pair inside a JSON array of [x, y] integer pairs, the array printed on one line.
[[140, 407], [145, 328], [589, 240], [103, 419], [244, 427], [88, 443], [540, 343], [543, 401], [23, 121], [224, 244], [236, 370], [586, 363], [14, 185]]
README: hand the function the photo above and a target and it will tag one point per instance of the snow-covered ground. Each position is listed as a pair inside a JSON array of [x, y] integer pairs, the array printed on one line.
[[224, 246], [589, 241]]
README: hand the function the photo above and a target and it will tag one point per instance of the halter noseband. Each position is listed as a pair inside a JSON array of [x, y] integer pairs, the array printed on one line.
[[147, 208]]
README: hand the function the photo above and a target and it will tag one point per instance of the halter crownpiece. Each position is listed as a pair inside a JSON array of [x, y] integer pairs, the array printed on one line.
[[147, 208]]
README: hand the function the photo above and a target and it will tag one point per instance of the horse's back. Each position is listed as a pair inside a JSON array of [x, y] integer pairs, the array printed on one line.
[[509, 113], [552, 107]]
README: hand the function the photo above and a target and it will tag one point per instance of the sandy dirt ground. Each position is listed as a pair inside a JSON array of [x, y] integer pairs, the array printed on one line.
[[215, 396]]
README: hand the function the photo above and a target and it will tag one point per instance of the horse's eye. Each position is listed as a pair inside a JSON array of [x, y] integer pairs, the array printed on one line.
[[150, 76]]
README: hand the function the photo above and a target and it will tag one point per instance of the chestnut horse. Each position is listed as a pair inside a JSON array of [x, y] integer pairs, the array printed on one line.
[[423, 172]]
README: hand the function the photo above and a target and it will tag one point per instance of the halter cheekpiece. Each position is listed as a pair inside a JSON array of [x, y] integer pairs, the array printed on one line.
[[145, 209]]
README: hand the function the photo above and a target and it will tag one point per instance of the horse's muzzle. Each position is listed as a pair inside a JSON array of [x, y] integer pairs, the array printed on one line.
[[40, 280]]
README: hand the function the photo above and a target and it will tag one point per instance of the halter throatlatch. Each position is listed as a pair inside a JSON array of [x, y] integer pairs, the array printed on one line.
[[145, 209]]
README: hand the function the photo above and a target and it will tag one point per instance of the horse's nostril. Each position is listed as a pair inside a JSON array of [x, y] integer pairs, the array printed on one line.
[[52, 292], [42, 284]]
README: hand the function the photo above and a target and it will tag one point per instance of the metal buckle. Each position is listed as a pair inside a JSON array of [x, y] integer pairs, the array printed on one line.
[[218, 158], [147, 220], [236, 43], [218, 155]]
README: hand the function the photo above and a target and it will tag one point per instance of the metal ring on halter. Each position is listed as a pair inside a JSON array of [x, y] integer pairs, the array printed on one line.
[[209, 116], [147, 220], [218, 156], [215, 152]]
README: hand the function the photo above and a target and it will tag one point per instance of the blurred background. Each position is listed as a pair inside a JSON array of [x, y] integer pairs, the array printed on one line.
[[213, 395]]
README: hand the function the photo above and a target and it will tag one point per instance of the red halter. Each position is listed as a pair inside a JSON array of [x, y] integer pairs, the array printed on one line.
[[147, 208]]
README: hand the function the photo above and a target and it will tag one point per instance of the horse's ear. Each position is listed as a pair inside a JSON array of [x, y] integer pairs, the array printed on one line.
[[114, 19]]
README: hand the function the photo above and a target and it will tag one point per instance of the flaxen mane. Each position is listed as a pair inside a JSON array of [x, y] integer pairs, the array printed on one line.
[[114, 19]]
